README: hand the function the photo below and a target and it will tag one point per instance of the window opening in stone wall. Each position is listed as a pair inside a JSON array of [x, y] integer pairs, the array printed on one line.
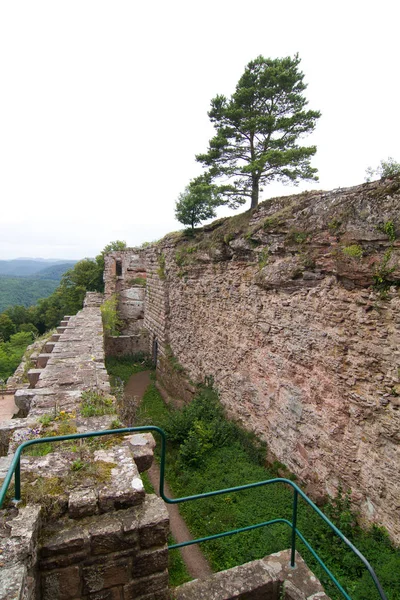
[[154, 352], [118, 267]]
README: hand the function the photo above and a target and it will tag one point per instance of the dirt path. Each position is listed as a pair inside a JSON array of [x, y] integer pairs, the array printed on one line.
[[7, 407], [193, 557]]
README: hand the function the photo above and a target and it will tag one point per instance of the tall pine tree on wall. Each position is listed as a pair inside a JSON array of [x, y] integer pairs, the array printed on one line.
[[258, 131]]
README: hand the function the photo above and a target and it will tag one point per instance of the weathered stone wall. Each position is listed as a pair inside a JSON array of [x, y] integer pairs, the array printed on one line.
[[100, 535], [278, 306]]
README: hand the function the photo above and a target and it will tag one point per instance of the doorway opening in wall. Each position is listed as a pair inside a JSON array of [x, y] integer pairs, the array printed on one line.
[[154, 351], [118, 267]]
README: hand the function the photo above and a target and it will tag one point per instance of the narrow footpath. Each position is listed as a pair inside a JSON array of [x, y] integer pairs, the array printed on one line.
[[7, 406], [193, 557]]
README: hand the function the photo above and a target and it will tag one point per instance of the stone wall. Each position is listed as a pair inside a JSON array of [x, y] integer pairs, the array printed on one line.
[[88, 531], [278, 307]]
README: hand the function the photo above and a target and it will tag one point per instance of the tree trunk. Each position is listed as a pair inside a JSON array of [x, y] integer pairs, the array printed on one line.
[[254, 194]]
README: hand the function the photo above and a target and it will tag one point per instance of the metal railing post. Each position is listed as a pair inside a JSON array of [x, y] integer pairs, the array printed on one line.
[[294, 525], [17, 482]]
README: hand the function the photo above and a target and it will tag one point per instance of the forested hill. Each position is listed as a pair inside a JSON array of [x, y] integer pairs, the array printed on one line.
[[25, 281], [25, 267], [24, 291]]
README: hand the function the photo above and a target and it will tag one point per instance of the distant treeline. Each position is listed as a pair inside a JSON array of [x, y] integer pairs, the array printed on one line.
[[24, 291], [24, 282], [19, 325]]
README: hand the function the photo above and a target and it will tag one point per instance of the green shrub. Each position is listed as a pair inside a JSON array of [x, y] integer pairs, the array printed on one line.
[[109, 314], [389, 229], [140, 281], [161, 265], [353, 251]]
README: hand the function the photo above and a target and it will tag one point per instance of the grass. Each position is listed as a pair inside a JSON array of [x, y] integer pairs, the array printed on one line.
[[238, 462], [95, 404], [123, 368]]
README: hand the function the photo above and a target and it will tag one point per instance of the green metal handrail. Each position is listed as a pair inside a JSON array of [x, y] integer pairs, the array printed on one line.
[[15, 468]]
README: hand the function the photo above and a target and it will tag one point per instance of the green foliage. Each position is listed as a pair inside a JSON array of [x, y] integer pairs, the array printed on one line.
[[177, 571], [11, 352], [161, 265], [387, 168], [257, 131], [25, 291], [334, 225], [77, 465], [197, 202], [353, 251], [389, 229], [382, 274], [263, 258], [95, 404], [173, 361], [7, 327], [297, 237], [201, 426], [124, 367], [229, 465], [140, 281], [109, 315]]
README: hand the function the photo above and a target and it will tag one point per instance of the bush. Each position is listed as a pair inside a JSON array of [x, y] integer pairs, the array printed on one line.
[[109, 314], [202, 426], [387, 168]]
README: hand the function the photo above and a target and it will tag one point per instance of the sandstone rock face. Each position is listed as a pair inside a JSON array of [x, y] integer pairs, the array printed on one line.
[[279, 307]]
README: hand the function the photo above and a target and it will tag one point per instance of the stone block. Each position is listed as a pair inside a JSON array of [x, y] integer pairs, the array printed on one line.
[[60, 330], [82, 503], [49, 347], [98, 577], [12, 582], [66, 541], [64, 323], [142, 446], [148, 562], [62, 584], [106, 535], [146, 585], [33, 376], [115, 593], [42, 360], [153, 522], [246, 582], [55, 337], [125, 487]]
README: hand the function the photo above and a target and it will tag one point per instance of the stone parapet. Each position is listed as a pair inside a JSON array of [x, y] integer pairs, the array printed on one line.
[[94, 489], [270, 578], [121, 554]]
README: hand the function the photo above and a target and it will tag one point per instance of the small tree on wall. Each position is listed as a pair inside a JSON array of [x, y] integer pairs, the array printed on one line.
[[257, 131], [197, 203]]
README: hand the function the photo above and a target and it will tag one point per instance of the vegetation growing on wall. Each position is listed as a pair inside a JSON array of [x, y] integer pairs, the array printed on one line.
[[109, 314]]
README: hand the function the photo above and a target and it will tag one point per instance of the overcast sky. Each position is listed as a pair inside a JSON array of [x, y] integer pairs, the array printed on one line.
[[103, 106]]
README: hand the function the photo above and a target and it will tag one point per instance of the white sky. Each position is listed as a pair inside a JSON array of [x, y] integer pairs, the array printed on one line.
[[103, 106]]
